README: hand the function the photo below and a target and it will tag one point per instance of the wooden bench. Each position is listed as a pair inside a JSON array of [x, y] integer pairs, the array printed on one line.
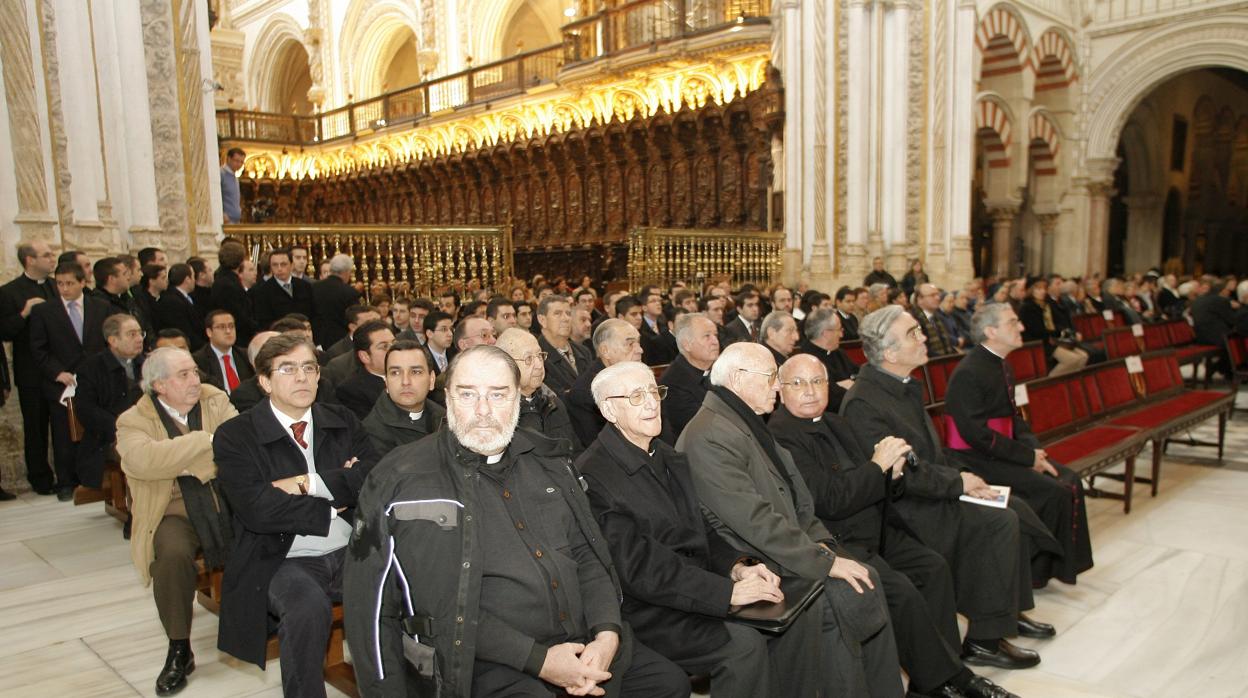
[[1065, 414], [1029, 362], [1121, 342], [112, 492], [1237, 354], [1168, 407], [338, 672]]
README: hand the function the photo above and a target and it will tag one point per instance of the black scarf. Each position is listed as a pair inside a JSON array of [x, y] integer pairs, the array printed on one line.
[[759, 430], [205, 507]]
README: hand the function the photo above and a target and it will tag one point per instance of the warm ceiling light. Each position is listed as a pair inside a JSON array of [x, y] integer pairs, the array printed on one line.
[[570, 12]]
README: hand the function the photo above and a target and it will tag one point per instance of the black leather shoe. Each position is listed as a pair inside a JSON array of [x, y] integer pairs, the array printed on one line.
[[980, 687], [7, 496], [45, 491], [1034, 628], [945, 691], [65, 494], [1002, 655], [178, 665]]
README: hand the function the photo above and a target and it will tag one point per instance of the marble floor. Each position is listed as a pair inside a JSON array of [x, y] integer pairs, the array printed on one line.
[[1162, 614]]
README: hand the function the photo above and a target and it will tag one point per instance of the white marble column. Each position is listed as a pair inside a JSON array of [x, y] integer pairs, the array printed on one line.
[[1048, 226], [962, 141], [80, 112], [1003, 215], [894, 143], [1144, 231], [798, 165], [859, 158]]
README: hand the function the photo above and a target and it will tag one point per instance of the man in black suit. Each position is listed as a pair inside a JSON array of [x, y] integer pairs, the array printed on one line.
[[202, 294], [658, 346], [292, 470], [331, 297], [113, 283], [63, 334], [687, 378], [177, 308], [746, 327], [223, 364], [18, 298], [108, 384], [565, 359], [823, 341], [281, 294], [355, 316], [228, 293], [360, 392], [845, 298]]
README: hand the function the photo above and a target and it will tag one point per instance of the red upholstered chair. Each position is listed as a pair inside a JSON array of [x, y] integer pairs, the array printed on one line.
[[938, 372], [1156, 336], [1237, 351], [1028, 362], [938, 421], [919, 376], [1120, 342], [1183, 339], [1090, 325], [854, 351]]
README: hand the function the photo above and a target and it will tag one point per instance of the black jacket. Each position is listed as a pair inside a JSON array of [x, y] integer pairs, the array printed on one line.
[[849, 489], [174, 311], [390, 427], [330, 299], [229, 295], [1212, 318], [547, 415], [16, 329], [53, 343], [559, 375], [252, 450], [686, 387], [422, 503], [849, 326], [206, 360], [980, 389], [674, 571], [657, 348], [104, 392], [587, 421], [736, 331], [360, 392], [270, 302]]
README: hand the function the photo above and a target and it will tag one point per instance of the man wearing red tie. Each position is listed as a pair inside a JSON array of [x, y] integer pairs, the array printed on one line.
[[223, 364]]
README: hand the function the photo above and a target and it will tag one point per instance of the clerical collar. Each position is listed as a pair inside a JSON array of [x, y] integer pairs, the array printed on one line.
[[901, 379], [818, 419], [38, 281], [491, 460], [990, 351], [416, 415]]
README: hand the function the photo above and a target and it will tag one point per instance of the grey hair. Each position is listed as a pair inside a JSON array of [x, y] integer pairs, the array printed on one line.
[[341, 263], [156, 365], [818, 321], [257, 343], [736, 357], [684, 328], [986, 315], [607, 378], [874, 332], [1241, 291], [773, 323], [876, 288], [607, 332]]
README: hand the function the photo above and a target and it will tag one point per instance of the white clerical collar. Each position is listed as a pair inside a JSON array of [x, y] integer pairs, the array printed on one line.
[[990, 350], [494, 458], [416, 415]]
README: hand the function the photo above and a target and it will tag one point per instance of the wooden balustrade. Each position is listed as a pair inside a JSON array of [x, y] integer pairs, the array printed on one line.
[[663, 255], [424, 258], [629, 25]]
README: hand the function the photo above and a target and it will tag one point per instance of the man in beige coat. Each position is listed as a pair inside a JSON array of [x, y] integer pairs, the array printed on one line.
[[163, 543]]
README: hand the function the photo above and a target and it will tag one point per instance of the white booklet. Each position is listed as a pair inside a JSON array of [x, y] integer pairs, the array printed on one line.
[[1000, 501]]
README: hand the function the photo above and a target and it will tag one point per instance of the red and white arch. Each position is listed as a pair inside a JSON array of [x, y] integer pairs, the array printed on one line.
[[1003, 42], [1055, 61], [1044, 141], [993, 125]]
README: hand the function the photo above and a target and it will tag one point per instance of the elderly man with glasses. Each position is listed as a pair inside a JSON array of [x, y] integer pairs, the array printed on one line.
[[754, 497], [477, 569], [540, 408], [292, 469], [852, 496], [680, 580]]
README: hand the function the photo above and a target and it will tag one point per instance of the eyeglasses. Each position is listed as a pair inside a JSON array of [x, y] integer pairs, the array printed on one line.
[[308, 369], [223, 327], [472, 397], [540, 356], [638, 396], [799, 385], [134, 334], [771, 375]]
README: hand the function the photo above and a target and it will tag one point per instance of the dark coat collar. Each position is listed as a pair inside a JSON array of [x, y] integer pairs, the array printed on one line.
[[394, 416], [268, 429], [626, 454], [782, 417], [890, 383]]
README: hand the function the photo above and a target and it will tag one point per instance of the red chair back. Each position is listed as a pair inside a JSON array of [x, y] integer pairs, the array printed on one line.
[[938, 372], [1237, 349], [1156, 336], [1120, 342], [1161, 372], [1028, 362], [1181, 333], [1113, 383], [853, 350], [1051, 405], [1090, 325]]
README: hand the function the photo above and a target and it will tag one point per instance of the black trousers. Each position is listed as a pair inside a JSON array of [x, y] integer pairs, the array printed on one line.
[[860, 663], [302, 596], [36, 422], [649, 675], [174, 574], [64, 450], [922, 606], [753, 664]]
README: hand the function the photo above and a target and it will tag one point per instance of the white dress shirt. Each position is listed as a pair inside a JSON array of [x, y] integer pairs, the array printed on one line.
[[339, 530]]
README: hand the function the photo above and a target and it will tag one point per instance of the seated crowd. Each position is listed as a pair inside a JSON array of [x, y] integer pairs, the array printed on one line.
[[506, 501]]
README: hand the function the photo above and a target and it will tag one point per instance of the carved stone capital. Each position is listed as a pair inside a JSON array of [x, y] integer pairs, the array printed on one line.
[[1048, 222]]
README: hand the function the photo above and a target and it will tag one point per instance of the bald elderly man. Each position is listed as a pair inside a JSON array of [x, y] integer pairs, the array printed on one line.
[[755, 498], [540, 408], [615, 341], [680, 579]]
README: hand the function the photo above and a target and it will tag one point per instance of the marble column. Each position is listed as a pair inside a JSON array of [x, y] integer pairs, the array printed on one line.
[[960, 264], [27, 141], [858, 161], [1048, 226], [1003, 216], [1100, 191], [894, 143], [1144, 231], [798, 164]]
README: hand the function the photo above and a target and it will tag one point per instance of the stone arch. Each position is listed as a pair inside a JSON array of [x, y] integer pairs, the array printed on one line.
[[994, 123], [372, 30], [1148, 61], [1044, 141], [264, 59], [1054, 60], [1003, 42], [490, 20]]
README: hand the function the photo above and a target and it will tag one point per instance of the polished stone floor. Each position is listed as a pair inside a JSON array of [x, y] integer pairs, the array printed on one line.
[[1163, 613]]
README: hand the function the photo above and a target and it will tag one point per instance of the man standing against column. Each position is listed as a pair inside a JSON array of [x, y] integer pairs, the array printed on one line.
[[18, 299], [231, 200]]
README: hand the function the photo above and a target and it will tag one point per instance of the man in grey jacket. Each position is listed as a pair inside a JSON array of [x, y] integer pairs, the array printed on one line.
[[754, 497]]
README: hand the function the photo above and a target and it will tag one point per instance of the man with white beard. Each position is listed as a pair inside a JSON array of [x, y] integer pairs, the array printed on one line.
[[476, 568]]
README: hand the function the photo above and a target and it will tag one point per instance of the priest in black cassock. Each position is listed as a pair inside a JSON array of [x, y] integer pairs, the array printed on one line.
[[821, 338], [687, 378], [983, 423], [852, 496]]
